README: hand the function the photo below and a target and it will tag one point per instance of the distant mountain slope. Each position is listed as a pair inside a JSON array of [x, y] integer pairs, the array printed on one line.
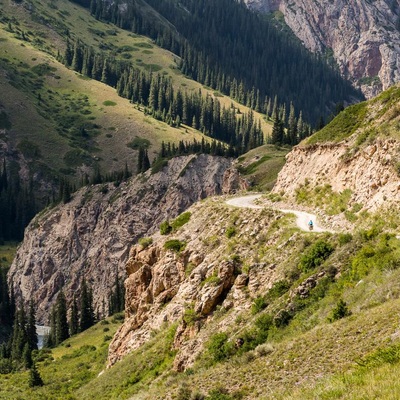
[[57, 124], [362, 36], [225, 46], [91, 235]]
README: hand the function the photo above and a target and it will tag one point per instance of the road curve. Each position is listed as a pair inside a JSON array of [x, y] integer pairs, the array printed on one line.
[[302, 218]]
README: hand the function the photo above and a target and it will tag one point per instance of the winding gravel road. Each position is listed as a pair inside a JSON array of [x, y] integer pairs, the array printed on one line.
[[302, 217]]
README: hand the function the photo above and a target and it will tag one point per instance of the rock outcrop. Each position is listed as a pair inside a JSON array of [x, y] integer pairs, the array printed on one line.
[[362, 36], [190, 288], [368, 172], [91, 235]]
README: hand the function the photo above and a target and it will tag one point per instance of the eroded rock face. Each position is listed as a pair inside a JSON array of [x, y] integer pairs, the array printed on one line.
[[160, 290], [362, 36], [205, 280], [369, 173], [91, 235]]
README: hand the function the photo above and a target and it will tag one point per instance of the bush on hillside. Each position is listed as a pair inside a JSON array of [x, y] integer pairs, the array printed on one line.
[[259, 303], [175, 245], [165, 228], [315, 255], [145, 242], [340, 311], [181, 220], [219, 347]]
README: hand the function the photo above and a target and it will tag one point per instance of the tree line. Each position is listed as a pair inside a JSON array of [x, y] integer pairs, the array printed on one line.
[[159, 98], [66, 322], [239, 52], [17, 205], [18, 352]]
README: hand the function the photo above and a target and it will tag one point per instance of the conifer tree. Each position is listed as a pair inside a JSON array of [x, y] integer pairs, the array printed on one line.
[[86, 306], [27, 356], [74, 318], [61, 324], [31, 327], [19, 335], [34, 377]]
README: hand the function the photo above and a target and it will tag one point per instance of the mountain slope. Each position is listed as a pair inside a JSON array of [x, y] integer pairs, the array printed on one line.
[[230, 53], [91, 235], [363, 37], [60, 126], [357, 154]]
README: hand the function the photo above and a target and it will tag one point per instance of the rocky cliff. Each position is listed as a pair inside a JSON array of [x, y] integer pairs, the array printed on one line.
[[369, 173], [91, 235], [196, 286], [362, 36]]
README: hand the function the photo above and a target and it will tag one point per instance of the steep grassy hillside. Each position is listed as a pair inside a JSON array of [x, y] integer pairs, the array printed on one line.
[[376, 118], [60, 102], [261, 166], [299, 340]]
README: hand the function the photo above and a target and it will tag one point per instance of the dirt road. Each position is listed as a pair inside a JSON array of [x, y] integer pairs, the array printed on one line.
[[302, 218]]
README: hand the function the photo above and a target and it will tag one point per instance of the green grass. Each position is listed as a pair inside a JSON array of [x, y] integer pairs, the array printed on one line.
[[136, 371], [68, 367], [343, 126], [262, 165], [7, 253], [324, 197], [378, 117]]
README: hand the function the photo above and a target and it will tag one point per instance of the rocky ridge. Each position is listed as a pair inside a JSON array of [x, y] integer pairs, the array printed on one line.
[[206, 279], [369, 172], [91, 235], [363, 36]]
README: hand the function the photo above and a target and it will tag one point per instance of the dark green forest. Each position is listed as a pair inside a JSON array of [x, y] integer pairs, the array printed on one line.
[[17, 205], [234, 50]]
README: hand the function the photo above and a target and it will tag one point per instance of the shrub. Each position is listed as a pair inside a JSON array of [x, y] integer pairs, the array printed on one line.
[[165, 228], [315, 255], [190, 316], [264, 349], [175, 245], [259, 303], [231, 231], [278, 289], [181, 220], [345, 238], [282, 318], [340, 311], [264, 322], [145, 242], [219, 348]]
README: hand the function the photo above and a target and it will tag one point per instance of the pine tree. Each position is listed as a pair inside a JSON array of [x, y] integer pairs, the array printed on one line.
[[34, 377], [62, 330], [277, 132], [146, 161], [292, 127], [31, 328], [19, 335], [87, 313], [74, 318], [27, 356]]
